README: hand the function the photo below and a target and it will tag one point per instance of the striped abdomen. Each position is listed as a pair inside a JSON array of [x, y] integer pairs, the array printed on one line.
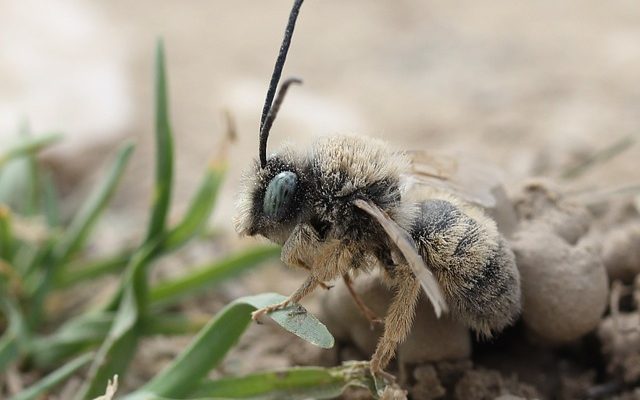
[[472, 262]]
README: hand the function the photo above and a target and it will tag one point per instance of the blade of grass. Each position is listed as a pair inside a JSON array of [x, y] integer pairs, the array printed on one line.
[[117, 351], [6, 235], [9, 350], [210, 274], [50, 200], [172, 324], [77, 233], [214, 341], [199, 211], [16, 335], [33, 195], [164, 150], [37, 390], [79, 273], [290, 384], [599, 157], [28, 146], [92, 329], [70, 339]]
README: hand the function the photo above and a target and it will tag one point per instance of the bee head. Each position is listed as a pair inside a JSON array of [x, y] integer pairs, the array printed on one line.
[[272, 190], [272, 197]]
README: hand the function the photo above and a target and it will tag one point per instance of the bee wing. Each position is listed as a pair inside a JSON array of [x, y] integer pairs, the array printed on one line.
[[472, 180], [404, 243]]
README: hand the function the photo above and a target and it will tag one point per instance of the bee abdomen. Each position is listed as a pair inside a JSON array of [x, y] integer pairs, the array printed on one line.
[[472, 262]]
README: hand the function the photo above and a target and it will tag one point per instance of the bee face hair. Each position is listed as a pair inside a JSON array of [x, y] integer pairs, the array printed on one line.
[[271, 198]]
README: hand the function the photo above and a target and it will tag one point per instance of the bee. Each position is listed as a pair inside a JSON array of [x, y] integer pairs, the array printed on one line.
[[350, 204]]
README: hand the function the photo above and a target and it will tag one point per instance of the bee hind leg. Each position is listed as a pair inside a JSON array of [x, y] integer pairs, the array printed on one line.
[[368, 313], [399, 319]]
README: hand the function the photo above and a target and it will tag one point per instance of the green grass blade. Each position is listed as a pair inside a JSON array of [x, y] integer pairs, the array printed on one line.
[[16, 335], [199, 211], [9, 350], [37, 390], [289, 384], [172, 324], [50, 200], [74, 337], [7, 242], [77, 233], [117, 351], [164, 150], [28, 146], [90, 330], [212, 344], [79, 273], [210, 274]]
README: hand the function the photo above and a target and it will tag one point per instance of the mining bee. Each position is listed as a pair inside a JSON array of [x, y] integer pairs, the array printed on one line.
[[351, 204]]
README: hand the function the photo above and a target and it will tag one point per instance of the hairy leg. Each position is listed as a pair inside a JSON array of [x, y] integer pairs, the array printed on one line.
[[399, 319], [307, 287]]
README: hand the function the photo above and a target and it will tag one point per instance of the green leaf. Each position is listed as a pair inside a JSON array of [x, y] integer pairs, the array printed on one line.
[[50, 200], [14, 338], [117, 351], [206, 276], [6, 236], [93, 269], [164, 151], [71, 338], [28, 146], [289, 384], [78, 232], [9, 350], [90, 330], [53, 379], [296, 320], [216, 339], [198, 214]]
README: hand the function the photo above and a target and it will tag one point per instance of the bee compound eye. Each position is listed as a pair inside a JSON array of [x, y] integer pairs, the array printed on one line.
[[279, 195]]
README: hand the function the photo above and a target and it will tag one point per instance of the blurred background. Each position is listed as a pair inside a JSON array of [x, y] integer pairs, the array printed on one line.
[[529, 86]]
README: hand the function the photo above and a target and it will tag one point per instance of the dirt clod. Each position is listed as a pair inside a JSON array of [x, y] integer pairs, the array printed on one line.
[[555, 278], [621, 251], [620, 335], [484, 384], [428, 384]]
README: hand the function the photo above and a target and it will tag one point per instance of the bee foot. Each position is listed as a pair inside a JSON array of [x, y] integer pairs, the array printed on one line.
[[258, 314]]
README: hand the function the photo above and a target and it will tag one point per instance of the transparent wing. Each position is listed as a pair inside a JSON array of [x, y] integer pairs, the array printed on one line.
[[401, 238], [472, 180]]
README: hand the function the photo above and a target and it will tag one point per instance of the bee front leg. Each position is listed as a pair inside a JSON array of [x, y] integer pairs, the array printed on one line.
[[399, 319], [307, 287]]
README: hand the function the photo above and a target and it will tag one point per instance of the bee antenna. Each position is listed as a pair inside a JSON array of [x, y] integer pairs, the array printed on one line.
[[270, 108]]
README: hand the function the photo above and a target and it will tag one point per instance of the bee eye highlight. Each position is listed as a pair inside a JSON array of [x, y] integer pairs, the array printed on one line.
[[279, 195]]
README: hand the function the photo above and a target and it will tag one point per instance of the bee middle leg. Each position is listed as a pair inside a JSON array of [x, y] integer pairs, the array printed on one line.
[[368, 313], [399, 319]]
